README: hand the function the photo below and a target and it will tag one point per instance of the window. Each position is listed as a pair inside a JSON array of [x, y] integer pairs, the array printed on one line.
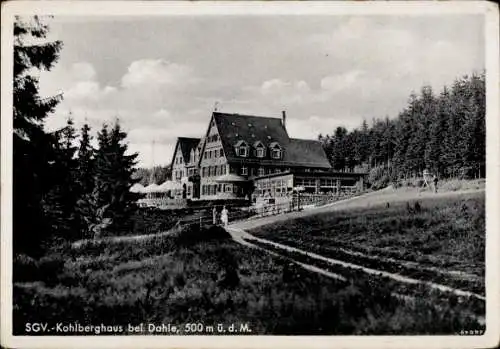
[[229, 188], [216, 153], [222, 169], [243, 151], [215, 170], [275, 150], [213, 138], [261, 171], [276, 153], [244, 171], [205, 155], [260, 150]]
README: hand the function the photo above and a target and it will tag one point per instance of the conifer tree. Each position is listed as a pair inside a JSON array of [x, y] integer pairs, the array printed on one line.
[[437, 134], [85, 161], [85, 205], [60, 202], [114, 170], [33, 149]]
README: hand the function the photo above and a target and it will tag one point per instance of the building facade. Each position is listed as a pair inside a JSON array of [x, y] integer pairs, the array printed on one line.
[[185, 165], [239, 154]]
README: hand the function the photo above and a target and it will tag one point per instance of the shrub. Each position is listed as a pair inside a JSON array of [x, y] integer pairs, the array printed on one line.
[[50, 267], [24, 268], [192, 234]]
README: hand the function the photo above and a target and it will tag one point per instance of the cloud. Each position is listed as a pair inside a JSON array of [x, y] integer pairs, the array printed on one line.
[[82, 71], [153, 72], [338, 82], [78, 82]]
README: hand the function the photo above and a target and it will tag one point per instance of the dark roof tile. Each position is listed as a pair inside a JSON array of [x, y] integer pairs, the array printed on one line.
[[186, 145], [234, 128]]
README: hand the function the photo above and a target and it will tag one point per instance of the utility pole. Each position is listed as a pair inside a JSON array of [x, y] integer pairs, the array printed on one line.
[[152, 175]]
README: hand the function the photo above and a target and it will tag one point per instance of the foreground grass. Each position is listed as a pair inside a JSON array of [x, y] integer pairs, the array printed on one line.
[[204, 277], [446, 232], [437, 240]]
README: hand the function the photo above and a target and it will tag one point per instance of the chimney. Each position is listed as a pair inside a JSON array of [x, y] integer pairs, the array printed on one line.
[[283, 118]]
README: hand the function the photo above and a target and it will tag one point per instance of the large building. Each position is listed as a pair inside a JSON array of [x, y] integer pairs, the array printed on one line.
[[241, 156], [185, 164]]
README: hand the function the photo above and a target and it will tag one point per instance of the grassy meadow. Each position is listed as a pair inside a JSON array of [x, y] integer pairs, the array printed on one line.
[[436, 240], [201, 276]]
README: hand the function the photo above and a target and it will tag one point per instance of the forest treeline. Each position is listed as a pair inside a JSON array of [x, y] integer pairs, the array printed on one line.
[[444, 133], [157, 174]]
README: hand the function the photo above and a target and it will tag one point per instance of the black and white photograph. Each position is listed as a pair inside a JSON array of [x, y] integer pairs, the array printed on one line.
[[228, 174]]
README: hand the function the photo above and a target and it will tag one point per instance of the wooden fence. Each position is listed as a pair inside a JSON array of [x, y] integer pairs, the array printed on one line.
[[296, 202]]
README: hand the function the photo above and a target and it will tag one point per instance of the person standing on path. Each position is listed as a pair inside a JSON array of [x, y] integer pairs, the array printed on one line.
[[214, 216], [435, 181], [223, 216]]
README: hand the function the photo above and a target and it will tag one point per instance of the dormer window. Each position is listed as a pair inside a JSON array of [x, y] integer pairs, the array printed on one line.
[[260, 150], [241, 149], [276, 152]]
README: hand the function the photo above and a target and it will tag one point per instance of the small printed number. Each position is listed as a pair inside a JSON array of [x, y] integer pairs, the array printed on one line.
[[194, 327], [471, 332]]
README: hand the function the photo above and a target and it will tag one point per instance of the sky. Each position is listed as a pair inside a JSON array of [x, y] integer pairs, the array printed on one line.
[[161, 76]]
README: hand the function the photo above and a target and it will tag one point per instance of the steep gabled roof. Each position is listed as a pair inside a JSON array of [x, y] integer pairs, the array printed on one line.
[[186, 144], [234, 128]]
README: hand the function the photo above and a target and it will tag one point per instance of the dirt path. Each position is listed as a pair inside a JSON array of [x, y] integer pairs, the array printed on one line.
[[239, 233]]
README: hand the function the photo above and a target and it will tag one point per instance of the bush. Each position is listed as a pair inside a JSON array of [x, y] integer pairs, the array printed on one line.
[[193, 234], [379, 177], [24, 268], [46, 269], [50, 267]]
